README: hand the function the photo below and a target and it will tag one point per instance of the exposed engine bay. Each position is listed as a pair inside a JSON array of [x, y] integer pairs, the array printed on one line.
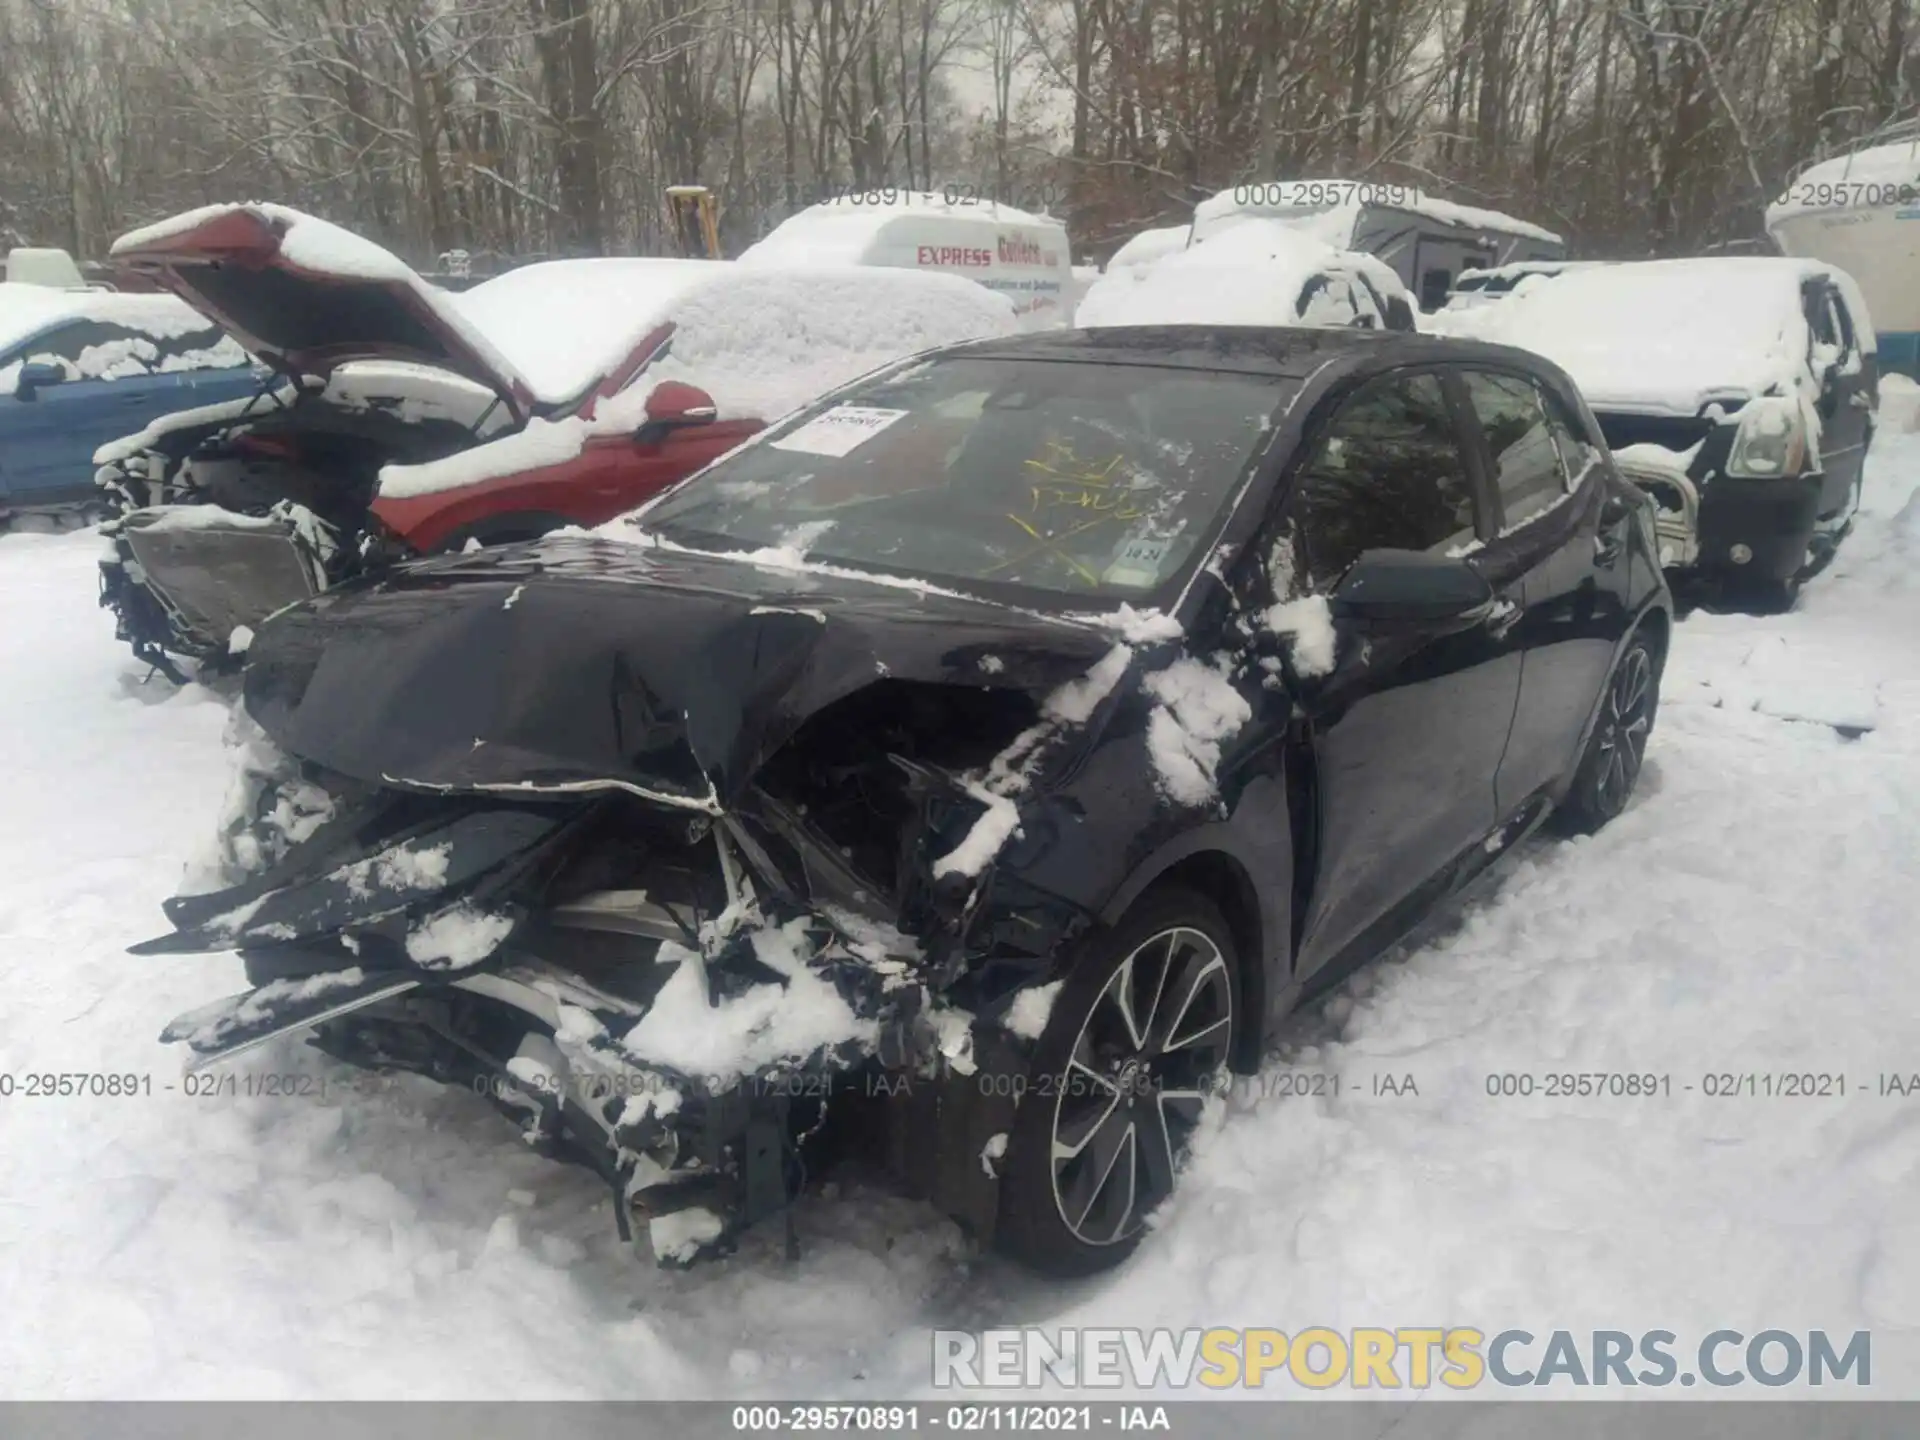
[[684, 1001]]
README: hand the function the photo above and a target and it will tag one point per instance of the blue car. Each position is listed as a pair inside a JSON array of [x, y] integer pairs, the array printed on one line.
[[80, 368]]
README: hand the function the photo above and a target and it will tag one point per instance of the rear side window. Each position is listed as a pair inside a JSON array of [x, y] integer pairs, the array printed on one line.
[[102, 349], [1387, 473], [1820, 318], [1520, 440]]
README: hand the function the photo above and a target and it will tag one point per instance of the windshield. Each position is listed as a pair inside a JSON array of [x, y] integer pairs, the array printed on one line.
[[1098, 481]]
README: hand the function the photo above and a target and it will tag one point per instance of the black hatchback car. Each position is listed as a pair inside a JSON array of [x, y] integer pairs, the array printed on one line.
[[970, 770]]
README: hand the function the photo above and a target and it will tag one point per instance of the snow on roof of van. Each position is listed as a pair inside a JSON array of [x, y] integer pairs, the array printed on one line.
[[1249, 274], [1151, 245], [1334, 223], [1867, 175], [838, 231], [761, 340], [1664, 335]]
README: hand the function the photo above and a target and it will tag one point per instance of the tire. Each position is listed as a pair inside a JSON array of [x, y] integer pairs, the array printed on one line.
[[1105, 1095], [1610, 764]]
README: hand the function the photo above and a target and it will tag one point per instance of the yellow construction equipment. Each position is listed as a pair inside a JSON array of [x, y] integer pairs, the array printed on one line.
[[695, 220]]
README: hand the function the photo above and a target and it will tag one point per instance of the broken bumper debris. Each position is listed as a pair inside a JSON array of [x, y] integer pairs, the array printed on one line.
[[685, 1038]]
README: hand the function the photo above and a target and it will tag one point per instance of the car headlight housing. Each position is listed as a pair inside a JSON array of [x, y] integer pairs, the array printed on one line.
[[1774, 439]]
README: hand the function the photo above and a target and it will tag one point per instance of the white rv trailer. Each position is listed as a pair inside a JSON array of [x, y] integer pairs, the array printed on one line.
[[1860, 213]]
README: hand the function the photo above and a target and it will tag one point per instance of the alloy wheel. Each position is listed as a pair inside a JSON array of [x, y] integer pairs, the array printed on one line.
[[1624, 726], [1147, 1056]]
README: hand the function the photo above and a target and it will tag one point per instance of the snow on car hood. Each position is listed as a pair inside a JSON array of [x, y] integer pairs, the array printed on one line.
[[1661, 337], [581, 664]]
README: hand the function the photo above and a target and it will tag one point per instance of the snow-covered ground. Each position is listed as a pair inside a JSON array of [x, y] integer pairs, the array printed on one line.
[[1754, 912]]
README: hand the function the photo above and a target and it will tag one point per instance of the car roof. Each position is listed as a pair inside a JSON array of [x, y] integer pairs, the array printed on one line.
[[1286, 352]]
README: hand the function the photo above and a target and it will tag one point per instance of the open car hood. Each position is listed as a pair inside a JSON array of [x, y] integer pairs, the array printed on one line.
[[305, 296], [569, 665]]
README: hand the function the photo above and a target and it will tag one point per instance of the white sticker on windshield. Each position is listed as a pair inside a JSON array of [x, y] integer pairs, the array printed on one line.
[[839, 431], [1139, 563]]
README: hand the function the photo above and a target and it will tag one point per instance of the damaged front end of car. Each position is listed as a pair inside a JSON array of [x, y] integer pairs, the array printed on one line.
[[697, 973]]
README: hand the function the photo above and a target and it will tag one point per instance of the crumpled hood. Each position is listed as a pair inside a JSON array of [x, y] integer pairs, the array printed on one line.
[[573, 664]]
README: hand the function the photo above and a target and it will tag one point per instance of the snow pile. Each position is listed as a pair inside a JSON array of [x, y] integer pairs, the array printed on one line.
[[761, 342], [1197, 711], [1664, 335], [1256, 273], [1136, 627], [1899, 405], [745, 1034], [1307, 625], [269, 807], [1334, 223], [1028, 1015], [457, 938], [677, 1237]]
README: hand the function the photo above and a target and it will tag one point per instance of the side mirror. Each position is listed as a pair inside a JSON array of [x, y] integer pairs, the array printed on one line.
[[37, 376], [1407, 590], [673, 405]]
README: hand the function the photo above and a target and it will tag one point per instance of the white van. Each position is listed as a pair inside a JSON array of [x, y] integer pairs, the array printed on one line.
[[1022, 256]]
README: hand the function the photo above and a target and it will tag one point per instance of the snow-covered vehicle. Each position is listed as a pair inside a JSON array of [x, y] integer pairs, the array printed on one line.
[[405, 419], [1427, 241], [1258, 272], [1022, 256], [973, 767], [78, 366], [1740, 393]]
